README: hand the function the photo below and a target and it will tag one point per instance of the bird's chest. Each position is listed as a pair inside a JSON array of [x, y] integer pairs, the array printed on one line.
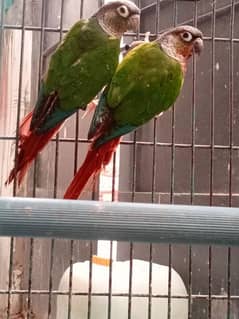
[[160, 89]]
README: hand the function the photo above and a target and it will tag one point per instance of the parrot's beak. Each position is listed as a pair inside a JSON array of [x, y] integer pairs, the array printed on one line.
[[198, 45], [134, 22]]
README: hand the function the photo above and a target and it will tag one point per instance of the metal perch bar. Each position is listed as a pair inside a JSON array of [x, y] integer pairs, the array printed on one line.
[[92, 220]]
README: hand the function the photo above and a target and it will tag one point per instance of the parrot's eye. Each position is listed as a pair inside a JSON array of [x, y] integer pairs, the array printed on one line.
[[186, 36], [123, 11]]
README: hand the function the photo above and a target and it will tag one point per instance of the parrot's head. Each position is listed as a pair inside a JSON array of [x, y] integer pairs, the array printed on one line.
[[119, 16], [181, 42]]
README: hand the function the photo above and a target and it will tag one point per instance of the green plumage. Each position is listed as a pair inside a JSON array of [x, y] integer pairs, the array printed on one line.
[[81, 66], [146, 83]]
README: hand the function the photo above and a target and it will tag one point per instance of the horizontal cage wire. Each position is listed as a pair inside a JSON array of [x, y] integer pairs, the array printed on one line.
[[189, 156]]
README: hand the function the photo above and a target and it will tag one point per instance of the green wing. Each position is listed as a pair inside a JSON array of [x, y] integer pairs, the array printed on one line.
[[81, 66], [84, 62], [146, 83]]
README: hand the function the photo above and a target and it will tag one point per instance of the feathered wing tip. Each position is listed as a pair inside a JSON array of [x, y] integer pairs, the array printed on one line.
[[30, 144], [95, 160]]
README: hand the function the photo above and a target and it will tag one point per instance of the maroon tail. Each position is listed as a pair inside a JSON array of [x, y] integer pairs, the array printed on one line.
[[94, 161], [30, 144]]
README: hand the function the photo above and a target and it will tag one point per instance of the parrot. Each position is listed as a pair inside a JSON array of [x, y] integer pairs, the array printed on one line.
[[146, 83], [81, 66], [124, 50]]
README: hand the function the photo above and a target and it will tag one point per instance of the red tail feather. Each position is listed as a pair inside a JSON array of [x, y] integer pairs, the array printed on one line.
[[30, 144], [94, 161]]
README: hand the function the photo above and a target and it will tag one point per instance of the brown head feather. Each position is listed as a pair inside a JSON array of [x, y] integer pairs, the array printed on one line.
[[117, 17], [181, 42]]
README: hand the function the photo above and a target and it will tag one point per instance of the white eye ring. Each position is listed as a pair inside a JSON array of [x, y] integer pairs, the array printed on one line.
[[123, 11], [186, 36]]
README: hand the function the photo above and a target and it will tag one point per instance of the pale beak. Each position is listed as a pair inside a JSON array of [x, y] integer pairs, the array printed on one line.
[[134, 22], [198, 45]]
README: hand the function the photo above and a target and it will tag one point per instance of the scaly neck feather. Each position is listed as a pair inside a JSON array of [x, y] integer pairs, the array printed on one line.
[[169, 46], [106, 27]]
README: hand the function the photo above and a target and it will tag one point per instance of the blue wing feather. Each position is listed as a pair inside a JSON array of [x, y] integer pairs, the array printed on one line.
[[102, 126]]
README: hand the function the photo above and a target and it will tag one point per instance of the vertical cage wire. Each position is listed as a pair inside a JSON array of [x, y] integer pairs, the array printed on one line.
[[110, 282], [90, 282], [40, 72], [190, 288], [29, 295], [133, 197], [153, 192], [229, 283], [131, 250], [75, 169], [173, 125], [70, 278], [212, 111], [192, 181], [150, 281], [210, 282], [32, 241], [231, 91], [172, 190], [212, 115], [20, 88], [12, 243], [169, 280], [52, 249], [9, 293]]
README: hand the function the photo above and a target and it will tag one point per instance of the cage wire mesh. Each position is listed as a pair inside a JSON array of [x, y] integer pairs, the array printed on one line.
[[190, 155]]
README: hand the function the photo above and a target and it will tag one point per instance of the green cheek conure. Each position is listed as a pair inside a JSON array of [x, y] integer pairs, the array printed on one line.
[[81, 66], [146, 83]]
